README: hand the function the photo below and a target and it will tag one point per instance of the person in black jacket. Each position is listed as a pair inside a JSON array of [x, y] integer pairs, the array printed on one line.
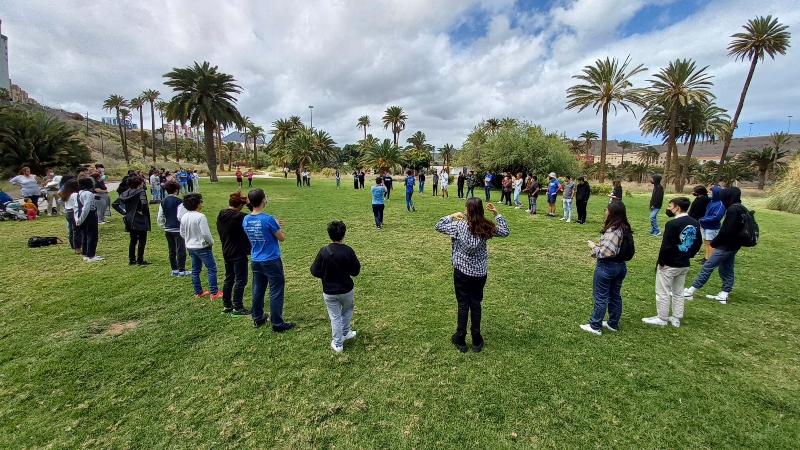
[[137, 217], [681, 241], [235, 250], [335, 264], [725, 245], [582, 193], [656, 201], [460, 184], [700, 202]]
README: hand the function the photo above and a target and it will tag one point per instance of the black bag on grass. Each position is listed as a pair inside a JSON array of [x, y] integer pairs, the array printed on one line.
[[40, 241]]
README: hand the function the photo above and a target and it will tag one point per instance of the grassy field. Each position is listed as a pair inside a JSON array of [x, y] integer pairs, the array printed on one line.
[[103, 355]]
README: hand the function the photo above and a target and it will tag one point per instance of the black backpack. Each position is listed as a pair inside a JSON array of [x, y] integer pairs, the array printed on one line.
[[39, 241], [627, 248], [749, 234]]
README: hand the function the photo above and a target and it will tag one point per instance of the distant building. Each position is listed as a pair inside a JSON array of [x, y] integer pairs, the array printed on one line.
[[113, 121], [588, 159], [18, 95], [705, 159], [5, 80]]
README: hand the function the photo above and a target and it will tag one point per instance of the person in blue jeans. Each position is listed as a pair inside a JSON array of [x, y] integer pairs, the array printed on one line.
[[487, 182], [235, 250], [409, 182], [422, 182], [656, 201], [377, 201], [265, 235], [609, 272], [195, 231]]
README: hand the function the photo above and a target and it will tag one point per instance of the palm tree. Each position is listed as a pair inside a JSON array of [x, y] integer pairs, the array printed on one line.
[[607, 85], [116, 102], [588, 137], [384, 156], [204, 97], [778, 140], [492, 126], [762, 159], [125, 114], [138, 103], [446, 153], [648, 155], [151, 96], [363, 122], [508, 122], [161, 106], [367, 143], [396, 118], [417, 141], [575, 146], [625, 145], [254, 132], [705, 121], [324, 146], [764, 35]]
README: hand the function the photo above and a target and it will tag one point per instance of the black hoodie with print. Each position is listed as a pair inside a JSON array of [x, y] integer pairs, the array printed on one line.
[[657, 199], [733, 222]]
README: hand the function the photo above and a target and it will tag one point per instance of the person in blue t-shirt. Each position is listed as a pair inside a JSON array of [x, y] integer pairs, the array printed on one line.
[[265, 233], [552, 192], [183, 178], [487, 181], [410, 182], [377, 201]]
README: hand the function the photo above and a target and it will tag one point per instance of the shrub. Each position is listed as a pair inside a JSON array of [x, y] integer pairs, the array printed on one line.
[[76, 116], [628, 193], [328, 172], [272, 168], [601, 189], [785, 196]]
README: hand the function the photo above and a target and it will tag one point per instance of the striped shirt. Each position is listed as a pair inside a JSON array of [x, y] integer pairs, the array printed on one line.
[[469, 251], [610, 243]]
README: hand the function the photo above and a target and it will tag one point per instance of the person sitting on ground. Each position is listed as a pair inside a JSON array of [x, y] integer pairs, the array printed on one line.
[[30, 208], [235, 250], [335, 264], [195, 231]]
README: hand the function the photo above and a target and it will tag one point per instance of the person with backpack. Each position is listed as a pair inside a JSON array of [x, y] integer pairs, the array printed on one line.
[[136, 218], [614, 249], [85, 213], [656, 201], [681, 241], [711, 221], [726, 244]]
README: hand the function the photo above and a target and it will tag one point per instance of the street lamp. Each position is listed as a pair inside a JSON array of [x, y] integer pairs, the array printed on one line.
[[311, 110], [788, 129], [751, 128]]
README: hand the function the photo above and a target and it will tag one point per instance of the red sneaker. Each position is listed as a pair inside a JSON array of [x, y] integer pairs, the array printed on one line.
[[219, 294], [205, 292]]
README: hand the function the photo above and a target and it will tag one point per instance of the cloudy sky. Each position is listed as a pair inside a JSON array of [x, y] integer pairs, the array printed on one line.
[[448, 63]]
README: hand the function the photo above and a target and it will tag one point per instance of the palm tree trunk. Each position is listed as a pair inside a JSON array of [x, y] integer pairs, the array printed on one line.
[[211, 156], [255, 152], [672, 136], [685, 170], [153, 127], [603, 139], [219, 149], [122, 140], [141, 129], [735, 120], [762, 178], [365, 133], [177, 153]]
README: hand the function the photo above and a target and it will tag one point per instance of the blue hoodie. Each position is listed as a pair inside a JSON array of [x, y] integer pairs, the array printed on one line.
[[714, 211]]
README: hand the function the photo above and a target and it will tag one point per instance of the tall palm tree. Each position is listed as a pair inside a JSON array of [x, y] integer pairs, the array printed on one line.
[[417, 141], [704, 121], [761, 159], [492, 125], [625, 145], [324, 146], [125, 114], [116, 102], [231, 147], [161, 107], [254, 132], [778, 140], [446, 153], [138, 103], [204, 97], [673, 88], [764, 35], [396, 118], [648, 155], [575, 146], [363, 122], [384, 156], [509, 122], [151, 96], [607, 86], [588, 137]]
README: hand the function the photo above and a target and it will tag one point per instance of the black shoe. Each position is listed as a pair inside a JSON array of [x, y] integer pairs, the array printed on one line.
[[239, 312], [477, 342], [702, 261], [131, 263], [143, 263], [259, 323], [479, 347], [459, 342], [285, 327], [227, 311]]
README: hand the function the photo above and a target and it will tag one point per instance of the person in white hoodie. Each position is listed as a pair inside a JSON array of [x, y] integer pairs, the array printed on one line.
[[197, 234]]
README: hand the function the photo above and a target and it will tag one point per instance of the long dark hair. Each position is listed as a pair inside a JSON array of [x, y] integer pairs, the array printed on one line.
[[479, 225], [70, 187], [617, 218]]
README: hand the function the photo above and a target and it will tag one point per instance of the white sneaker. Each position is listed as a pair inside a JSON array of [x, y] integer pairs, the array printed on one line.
[[674, 321], [85, 258], [95, 259], [518, 207], [608, 327], [350, 335], [335, 348], [527, 210], [655, 320], [687, 294], [563, 218], [587, 327], [569, 220], [719, 297]]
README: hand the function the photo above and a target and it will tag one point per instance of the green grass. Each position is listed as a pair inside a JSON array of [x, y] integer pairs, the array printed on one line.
[[188, 377]]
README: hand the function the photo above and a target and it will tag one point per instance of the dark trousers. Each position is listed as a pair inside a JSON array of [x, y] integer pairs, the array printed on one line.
[[140, 237], [581, 205], [299, 181], [435, 189], [608, 277], [177, 251], [469, 294], [488, 190], [355, 183], [507, 196], [268, 273], [249, 182], [361, 183], [388, 190], [190, 185], [89, 234], [235, 280], [35, 201], [470, 192], [74, 234], [460, 191], [377, 211]]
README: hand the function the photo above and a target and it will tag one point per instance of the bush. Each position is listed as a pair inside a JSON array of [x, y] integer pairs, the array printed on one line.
[[785, 196], [628, 193], [328, 172], [601, 189], [272, 168]]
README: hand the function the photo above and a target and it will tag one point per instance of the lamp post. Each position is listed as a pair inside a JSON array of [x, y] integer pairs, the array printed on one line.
[[789, 128], [751, 128], [311, 111]]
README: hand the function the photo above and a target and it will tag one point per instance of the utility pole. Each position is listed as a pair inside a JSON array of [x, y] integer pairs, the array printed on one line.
[[87, 123]]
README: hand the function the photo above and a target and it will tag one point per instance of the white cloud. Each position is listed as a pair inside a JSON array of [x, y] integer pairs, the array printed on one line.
[[351, 58]]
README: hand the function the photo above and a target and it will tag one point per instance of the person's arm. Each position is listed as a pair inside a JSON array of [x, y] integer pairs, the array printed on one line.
[[355, 268], [81, 215], [205, 230], [161, 219], [316, 266], [609, 245], [182, 211], [117, 206], [448, 225]]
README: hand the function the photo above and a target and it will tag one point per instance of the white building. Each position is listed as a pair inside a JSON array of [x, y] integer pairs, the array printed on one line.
[[5, 81]]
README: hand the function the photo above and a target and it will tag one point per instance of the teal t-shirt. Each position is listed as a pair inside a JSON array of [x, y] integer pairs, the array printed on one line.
[[377, 194]]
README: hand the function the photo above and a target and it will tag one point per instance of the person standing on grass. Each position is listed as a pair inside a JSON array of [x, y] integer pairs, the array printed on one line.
[[726, 244], [680, 243], [249, 178], [361, 177], [299, 177], [460, 184], [265, 235], [508, 182], [239, 178], [136, 216], [422, 182], [616, 192], [85, 213], [50, 184], [700, 202], [355, 179], [552, 192], [102, 198], [582, 193], [155, 186], [338, 177], [29, 185], [196, 181], [410, 181], [471, 182], [444, 180], [335, 264], [533, 194], [285, 172], [183, 178], [235, 250], [568, 198], [609, 271], [656, 201], [487, 181], [435, 183], [378, 192], [195, 231], [69, 195], [518, 181], [711, 221], [469, 233], [170, 211], [387, 183]]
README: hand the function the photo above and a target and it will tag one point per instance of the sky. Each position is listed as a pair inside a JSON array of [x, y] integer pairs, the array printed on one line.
[[449, 63]]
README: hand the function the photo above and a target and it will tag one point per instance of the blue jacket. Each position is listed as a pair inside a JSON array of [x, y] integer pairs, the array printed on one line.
[[714, 211]]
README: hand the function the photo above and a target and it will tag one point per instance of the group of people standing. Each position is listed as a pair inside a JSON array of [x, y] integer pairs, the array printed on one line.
[[188, 181]]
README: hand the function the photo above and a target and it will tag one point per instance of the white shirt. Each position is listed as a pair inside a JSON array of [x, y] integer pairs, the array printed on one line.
[[195, 230], [444, 178]]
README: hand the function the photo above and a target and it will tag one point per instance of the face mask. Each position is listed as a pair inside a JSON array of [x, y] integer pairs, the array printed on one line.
[[670, 213]]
